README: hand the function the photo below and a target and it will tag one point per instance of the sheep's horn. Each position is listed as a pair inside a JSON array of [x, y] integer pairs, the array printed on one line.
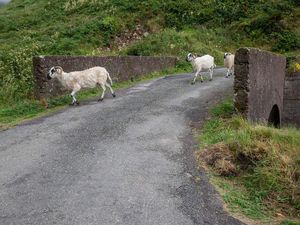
[[58, 67]]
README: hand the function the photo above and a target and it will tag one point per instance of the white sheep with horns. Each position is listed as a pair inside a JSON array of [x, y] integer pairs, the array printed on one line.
[[77, 80], [229, 63], [203, 63]]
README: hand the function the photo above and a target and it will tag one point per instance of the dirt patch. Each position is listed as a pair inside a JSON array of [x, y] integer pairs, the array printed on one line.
[[220, 158], [126, 38]]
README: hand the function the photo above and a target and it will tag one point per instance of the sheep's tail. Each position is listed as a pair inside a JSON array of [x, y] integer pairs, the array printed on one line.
[[110, 80]]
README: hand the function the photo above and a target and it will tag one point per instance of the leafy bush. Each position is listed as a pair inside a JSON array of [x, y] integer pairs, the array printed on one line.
[[17, 81], [287, 41]]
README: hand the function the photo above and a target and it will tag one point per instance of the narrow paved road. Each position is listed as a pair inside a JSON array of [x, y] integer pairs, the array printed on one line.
[[126, 161]]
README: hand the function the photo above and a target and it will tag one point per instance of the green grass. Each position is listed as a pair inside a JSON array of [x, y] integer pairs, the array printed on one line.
[[289, 222], [239, 200], [13, 114], [198, 40], [266, 161]]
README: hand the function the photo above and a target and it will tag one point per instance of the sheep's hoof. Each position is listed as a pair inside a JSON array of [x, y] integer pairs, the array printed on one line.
[[192, 83], [210, 79], [226, 76], [77, 103], [114, 95], [100, 99], [201, 81]]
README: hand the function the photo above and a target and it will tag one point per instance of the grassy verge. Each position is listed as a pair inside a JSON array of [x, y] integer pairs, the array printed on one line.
[[255, 167], [12, 114]]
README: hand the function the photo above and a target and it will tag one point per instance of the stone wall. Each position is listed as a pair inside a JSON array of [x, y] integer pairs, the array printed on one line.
[[258, 85], [121, 68], [291, 100]]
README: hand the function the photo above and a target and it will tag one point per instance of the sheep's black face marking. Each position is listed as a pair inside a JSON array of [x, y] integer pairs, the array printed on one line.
[[189, 57], [226, 54], [50, 73]]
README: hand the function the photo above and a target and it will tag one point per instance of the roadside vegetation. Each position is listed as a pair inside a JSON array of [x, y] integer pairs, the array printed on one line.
[[255, 167]]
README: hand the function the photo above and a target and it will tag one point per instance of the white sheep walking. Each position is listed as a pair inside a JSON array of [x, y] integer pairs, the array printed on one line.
[[203, 63], [77, 80], [229, 63]]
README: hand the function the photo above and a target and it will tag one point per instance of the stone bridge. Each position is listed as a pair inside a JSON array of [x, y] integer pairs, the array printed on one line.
[[262, 91]]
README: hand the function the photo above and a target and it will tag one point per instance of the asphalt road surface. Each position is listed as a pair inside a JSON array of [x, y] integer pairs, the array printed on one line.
[[127, 160]]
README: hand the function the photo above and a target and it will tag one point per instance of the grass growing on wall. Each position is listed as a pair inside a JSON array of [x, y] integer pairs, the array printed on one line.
[[257, 167]]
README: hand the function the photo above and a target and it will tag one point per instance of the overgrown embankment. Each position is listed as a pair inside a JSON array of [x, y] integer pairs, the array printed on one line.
[[256, 167]]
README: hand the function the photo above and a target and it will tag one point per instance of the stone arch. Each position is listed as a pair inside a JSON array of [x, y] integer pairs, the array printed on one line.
[[274, 117]]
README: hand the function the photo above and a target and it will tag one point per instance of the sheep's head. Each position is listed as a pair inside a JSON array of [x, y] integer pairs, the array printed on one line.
[[226, 54], [54, 71], [190, 57]]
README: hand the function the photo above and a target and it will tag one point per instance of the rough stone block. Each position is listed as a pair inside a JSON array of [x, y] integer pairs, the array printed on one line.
[[259, 81]]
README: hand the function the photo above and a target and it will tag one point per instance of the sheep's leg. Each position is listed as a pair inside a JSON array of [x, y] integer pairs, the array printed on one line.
[[74, 100], [195, 77], [228, 73], [211, 71], [111, 90], [201, 77], [103, 92], [231, 71], [73, 94]]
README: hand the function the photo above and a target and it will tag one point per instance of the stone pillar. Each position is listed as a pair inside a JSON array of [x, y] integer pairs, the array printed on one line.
[[258, 84]]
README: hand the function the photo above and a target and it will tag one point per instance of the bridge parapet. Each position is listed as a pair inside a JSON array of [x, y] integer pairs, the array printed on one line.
[[259, 84], [121, 68]]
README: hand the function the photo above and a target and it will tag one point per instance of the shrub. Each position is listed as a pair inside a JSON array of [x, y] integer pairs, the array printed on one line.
[[286, 41], [17, 81]]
